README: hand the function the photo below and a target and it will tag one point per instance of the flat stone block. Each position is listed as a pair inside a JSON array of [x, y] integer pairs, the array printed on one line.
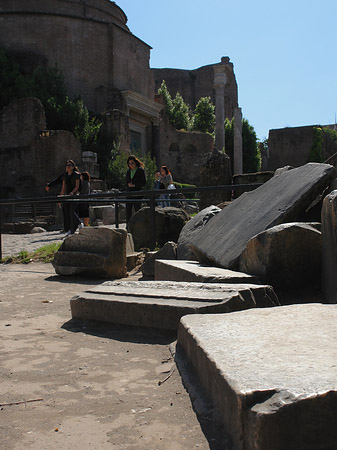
[[192, 271], [162, 304], [271, 374]]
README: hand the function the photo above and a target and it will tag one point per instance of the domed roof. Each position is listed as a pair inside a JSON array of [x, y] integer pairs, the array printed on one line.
[[98, 10]]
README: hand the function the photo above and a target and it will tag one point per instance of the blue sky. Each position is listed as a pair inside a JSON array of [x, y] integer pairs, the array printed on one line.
[[284, 53]]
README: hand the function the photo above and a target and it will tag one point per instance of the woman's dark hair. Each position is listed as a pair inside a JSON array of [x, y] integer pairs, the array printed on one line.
[[85, 176], [73, 164], [166, 169], [136, 160]]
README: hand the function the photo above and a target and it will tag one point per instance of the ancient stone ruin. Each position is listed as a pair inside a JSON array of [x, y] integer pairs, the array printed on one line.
[[267, 368]]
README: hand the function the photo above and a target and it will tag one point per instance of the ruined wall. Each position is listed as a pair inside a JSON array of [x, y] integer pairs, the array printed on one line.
[[29, 158], [194, 84], [87, 40], [292, 146], [183, 152]]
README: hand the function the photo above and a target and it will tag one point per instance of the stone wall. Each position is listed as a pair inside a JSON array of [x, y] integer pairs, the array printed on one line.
[[197, 83], [30, 158], [183, 152], [87, 40], [292, 146]]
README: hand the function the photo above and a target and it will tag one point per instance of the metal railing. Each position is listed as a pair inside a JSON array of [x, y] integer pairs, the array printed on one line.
[[150, 197]]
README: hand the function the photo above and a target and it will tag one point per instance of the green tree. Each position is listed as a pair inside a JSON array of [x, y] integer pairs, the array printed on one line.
[[47, 84], [181, 119], [204, 116], [167, 99], [331, 133], [250, 151], [75, 117]]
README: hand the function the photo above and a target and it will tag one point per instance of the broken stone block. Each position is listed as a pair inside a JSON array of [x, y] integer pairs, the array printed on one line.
[[281, 199], [271, 374], [286, 256], [168, 251], [95, 252], [329, 247], [169, 222], [193, 227], [161, 304], [192, 271]]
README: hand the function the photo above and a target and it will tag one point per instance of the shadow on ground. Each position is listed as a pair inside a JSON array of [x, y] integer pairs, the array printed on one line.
[[122, 333]]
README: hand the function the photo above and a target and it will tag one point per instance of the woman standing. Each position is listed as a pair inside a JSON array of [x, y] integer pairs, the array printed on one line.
[[70, 186], [135, 181], [166, 179]]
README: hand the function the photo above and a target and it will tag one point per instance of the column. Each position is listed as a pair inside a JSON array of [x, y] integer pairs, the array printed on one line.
[[219, 84], [237, 154]]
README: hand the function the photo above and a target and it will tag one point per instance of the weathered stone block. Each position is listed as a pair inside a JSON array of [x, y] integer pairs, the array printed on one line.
[[282, 199], [286, 256], [271, 374], [192, 271], [168, 251], [95, 252], [169, 223], [161, 304]]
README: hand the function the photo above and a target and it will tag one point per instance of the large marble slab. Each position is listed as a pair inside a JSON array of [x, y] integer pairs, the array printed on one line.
[[271, 373]]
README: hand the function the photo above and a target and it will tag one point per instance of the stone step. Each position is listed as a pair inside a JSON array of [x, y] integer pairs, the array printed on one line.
[[193, 271], [271, 373], [162, 304]]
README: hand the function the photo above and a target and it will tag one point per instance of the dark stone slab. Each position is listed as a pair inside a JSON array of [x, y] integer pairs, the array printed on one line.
[[282, 199]]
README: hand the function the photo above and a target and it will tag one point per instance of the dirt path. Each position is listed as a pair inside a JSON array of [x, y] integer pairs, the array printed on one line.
[[95, 386]]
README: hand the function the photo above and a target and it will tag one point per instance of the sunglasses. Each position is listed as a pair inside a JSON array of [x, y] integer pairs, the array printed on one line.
[[69, 165]]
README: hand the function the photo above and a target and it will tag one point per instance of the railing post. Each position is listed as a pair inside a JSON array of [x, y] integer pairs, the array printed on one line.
[[152, 220], [117, 214]]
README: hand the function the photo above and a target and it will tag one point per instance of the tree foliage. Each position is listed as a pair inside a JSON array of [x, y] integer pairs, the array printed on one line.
[[180, 119], [316, 152], [47, 84], [163, 91], [74, 116], [250, 151], [180, 115], [331, 133], [204, 116]]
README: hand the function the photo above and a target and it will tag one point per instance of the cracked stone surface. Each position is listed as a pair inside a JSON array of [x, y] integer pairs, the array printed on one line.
[[161, 304], [271, 373]]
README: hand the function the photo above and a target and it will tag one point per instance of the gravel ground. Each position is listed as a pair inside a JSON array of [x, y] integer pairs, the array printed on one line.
[[12, 244]]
